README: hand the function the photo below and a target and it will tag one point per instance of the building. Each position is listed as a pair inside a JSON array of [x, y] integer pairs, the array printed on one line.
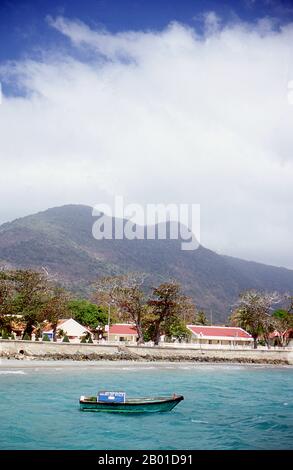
[[219, 335], [123, 332], [70, 327]]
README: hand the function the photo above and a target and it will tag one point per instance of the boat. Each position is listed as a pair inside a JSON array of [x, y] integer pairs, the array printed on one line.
[[118, 403]]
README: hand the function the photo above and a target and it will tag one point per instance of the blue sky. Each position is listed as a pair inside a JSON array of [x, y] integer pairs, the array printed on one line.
[[23, 29], [159, 102]]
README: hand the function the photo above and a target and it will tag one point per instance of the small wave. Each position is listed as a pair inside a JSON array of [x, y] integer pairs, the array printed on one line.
[[19, 372], [135, 369], [199, 421]]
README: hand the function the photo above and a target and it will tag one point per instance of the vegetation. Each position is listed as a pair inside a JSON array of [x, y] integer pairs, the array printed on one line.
[[168, 305], [32, 295], [284, 322], [32, 298], [70, 250], [253, 313], [88, 313], [54, 308], [201, 319], [65, 339], [125, 293]]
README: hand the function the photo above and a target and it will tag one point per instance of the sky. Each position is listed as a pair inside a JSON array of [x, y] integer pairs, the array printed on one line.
[[158, 102]]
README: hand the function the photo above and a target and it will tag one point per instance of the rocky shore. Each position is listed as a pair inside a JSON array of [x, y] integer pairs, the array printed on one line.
[[122, 356], [30, 350]]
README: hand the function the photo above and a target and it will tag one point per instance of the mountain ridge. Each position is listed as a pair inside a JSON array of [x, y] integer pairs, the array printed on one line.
[[60, 239]]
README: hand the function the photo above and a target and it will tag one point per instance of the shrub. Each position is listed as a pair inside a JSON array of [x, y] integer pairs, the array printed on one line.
[[45, 338], [5, 335], [26, 337], [65, 339], [90, 340], [83, 339]]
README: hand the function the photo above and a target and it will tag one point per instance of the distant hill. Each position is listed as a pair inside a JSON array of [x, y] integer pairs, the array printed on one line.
[[60, 240]]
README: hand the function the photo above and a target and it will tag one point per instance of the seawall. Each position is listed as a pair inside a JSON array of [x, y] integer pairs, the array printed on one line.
[[47, 350]]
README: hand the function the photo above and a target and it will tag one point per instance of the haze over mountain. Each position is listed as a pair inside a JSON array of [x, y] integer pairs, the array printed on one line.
[[60, 240]]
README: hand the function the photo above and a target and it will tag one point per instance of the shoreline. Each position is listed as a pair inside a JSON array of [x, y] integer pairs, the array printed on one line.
[[20, 360], [23, 351], [37, 363]]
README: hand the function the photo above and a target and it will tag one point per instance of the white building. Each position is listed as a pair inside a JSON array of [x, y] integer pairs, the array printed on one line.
[[71, 328], [219, 335], [123, 332]]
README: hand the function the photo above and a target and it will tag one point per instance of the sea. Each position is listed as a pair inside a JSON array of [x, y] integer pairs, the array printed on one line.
[[225, 407]]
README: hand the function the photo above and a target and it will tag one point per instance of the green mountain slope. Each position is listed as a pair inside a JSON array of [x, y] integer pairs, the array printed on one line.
[[60, 240]]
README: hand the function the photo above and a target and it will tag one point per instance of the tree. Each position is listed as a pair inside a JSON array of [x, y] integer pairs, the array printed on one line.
[[6, 301], [125, 293], [177, 329], [284, 321], [168, 304], [201, 319], [87, 313], [27, 291], [254, 314], [55, 307]]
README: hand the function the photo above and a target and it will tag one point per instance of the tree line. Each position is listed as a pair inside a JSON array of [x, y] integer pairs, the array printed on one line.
[[36, 300]]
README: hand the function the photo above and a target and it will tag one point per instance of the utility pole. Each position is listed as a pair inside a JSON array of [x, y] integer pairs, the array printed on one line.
[[211, 317]]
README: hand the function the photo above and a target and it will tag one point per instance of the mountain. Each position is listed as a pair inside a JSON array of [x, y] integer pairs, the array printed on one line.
[[61, 241]]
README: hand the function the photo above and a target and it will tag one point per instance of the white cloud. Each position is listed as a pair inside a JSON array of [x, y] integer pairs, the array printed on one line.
[[165, 116]]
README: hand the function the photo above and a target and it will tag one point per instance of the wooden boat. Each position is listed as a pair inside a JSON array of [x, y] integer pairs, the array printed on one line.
[[130, 405]]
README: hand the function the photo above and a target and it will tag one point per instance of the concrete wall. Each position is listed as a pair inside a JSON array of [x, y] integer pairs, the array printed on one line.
[[10, 348]]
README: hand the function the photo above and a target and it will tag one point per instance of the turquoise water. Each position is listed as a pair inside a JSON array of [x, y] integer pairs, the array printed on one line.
[[225, 407]]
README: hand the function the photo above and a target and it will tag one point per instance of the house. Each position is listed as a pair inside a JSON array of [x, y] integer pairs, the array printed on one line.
[[70, 327], [219, 335], [123, 332]]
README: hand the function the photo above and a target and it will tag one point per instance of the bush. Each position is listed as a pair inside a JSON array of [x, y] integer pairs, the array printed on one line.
[[65, 339], [90, 340], [26, 337], [45, 338], [5, 335], [83, 339]]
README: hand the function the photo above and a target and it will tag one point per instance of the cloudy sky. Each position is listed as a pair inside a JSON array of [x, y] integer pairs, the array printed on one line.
[[160, 102]]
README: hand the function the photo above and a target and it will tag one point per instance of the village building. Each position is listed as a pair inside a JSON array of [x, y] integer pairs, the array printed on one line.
[[123, 332], [70, 327], [219, 335]]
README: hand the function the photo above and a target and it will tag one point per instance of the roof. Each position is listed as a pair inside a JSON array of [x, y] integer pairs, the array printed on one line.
[[49, 326], [223, 331], [123, 329]]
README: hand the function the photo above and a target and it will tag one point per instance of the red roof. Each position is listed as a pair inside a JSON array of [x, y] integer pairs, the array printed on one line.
[[228, 331], [123, 329]]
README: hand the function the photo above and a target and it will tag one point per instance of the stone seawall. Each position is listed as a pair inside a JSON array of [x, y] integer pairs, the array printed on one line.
[[47, 350]]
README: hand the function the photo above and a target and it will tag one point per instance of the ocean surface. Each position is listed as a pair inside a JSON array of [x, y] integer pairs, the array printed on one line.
[[225, 406]]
